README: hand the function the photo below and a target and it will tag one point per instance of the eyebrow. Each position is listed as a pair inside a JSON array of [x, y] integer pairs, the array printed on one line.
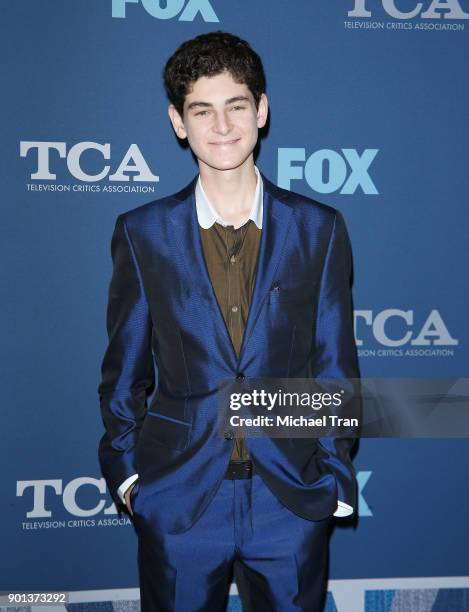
[[197, 104]]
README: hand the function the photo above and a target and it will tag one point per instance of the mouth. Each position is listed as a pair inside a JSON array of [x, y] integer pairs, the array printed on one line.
[[224, 143]]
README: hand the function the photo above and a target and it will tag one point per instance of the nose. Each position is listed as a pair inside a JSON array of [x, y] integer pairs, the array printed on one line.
[[222, 124]]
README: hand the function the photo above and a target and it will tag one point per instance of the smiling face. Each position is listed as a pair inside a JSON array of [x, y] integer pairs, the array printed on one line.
[[220, 121]]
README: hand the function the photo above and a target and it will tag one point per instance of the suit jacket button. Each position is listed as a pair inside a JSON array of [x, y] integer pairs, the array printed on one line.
[[240, 377], [228, 435]]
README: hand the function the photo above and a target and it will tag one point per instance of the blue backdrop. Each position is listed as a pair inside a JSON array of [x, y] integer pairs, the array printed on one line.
[[368, 103]]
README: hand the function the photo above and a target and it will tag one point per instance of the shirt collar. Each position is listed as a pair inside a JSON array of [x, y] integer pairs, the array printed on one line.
[[207, 215]]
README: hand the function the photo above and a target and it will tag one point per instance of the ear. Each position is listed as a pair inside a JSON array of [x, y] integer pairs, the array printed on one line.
[[177, 122], [262, 111]]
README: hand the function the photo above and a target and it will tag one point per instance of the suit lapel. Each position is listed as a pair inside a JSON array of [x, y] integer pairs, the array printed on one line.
[[276, 220], [188, 241]]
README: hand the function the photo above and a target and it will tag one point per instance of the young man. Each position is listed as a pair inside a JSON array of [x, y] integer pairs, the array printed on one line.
[[230, 278]]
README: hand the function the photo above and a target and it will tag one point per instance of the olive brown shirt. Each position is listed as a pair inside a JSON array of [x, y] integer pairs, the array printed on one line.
[[231, 257]]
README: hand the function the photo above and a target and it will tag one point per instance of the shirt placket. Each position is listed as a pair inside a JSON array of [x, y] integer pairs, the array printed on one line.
[[235, 315]]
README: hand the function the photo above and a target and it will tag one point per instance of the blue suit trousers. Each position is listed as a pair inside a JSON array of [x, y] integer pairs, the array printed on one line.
[[282, 557]]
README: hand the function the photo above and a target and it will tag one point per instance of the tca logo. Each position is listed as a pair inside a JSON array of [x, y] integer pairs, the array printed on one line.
[[168, 9], [437, 9], [433, 331], [327, 171], [41, 488], [139, 168]]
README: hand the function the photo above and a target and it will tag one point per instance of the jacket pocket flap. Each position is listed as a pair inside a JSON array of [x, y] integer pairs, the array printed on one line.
[[167, 430]]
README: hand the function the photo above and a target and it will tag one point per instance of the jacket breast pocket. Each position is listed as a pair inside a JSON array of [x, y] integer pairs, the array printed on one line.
[[298, 295], [166, 430]]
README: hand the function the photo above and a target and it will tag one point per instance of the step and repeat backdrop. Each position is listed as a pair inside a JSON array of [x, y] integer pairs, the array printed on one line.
[[368, 113]]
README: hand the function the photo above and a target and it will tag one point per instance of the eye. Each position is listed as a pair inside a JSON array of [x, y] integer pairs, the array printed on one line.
[[201, 113], [238, 107]]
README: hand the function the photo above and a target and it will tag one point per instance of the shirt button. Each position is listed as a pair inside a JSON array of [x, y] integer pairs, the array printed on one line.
[[233, 259], [234, 308], [228, 435]]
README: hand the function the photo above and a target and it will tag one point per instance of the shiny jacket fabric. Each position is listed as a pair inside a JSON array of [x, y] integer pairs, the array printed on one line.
[[163, 315]]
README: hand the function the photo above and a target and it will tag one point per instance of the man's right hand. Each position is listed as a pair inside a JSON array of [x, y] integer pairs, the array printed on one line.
[[127, 499]]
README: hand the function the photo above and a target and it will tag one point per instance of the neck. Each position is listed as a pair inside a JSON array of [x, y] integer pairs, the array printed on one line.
[[230, 191]]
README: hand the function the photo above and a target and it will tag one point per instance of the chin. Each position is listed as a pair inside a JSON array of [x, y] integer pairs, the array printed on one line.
[[230, 166], [227, 163]]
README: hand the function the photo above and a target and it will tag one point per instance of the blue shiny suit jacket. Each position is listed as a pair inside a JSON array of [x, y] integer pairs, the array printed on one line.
[[163, 312]]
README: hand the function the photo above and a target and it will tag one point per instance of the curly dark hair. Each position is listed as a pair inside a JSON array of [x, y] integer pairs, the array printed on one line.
[[208, 55]]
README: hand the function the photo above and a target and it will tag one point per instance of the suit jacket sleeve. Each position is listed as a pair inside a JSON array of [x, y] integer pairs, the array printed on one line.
[[127, 370], [335, 354]]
